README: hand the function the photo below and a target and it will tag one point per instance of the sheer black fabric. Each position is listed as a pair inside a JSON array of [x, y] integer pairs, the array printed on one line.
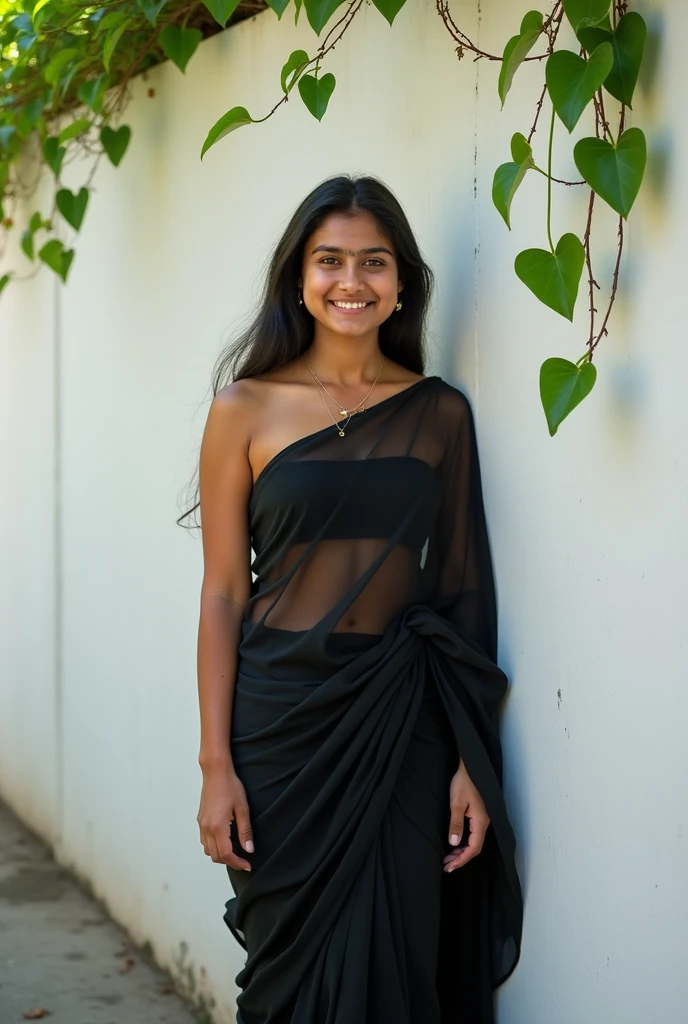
[[367, 667]]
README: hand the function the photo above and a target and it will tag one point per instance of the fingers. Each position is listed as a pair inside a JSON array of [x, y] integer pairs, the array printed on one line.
[[217, 844], [244, 829], [478, 826], [458, 816]]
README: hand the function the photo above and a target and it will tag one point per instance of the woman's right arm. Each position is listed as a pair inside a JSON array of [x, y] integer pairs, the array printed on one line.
[[225, 482]]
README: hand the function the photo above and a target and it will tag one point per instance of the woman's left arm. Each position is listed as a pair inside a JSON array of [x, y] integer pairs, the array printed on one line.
[[467, 598]]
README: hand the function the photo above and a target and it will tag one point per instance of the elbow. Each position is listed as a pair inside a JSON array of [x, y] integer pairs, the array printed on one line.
[[230, 597]]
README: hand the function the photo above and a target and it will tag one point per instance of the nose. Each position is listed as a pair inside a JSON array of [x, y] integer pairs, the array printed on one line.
[[350, 279]]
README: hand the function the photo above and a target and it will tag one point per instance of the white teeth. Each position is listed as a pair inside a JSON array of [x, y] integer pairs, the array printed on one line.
[[350, 305]]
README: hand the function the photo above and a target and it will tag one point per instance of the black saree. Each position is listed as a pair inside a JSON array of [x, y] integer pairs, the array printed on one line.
[[367, 667]]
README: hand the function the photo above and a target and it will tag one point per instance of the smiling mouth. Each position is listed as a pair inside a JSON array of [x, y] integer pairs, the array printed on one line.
[[341, 304]]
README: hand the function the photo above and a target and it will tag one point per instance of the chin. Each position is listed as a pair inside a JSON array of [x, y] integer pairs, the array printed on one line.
[[353, 329]]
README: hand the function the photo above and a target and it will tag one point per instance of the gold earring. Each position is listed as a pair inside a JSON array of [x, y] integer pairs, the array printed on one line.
[[398, 306], [300, 299]]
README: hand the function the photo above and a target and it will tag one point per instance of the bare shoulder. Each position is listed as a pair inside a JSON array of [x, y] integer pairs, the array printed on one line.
[[236, 398], [235, 406], [230, 425], [258, 416], [255, 400]]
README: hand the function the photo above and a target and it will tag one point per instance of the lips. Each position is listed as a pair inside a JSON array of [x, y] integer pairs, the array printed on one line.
[[350, 306]]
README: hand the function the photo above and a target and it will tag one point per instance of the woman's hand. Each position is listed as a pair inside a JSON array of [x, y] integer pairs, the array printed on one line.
[[223, 799], [465, 802]]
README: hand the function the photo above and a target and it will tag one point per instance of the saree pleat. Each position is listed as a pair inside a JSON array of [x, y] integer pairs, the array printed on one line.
[[367, 668]]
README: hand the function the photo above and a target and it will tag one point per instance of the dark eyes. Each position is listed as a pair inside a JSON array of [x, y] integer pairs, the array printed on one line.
[[372, 261]]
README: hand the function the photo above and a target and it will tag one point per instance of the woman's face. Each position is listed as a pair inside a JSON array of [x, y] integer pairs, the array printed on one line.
[[349, 280]]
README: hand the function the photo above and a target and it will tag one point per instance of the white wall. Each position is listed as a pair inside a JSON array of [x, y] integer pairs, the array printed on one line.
[[104, 395]]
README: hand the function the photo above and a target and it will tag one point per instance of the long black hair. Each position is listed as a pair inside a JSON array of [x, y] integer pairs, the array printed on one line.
[[282, 330]]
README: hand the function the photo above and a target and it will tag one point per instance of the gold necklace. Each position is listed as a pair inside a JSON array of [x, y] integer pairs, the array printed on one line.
[[340, 431], [355, 408]]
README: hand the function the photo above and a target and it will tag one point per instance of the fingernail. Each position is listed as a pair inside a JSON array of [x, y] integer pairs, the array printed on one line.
[[454, 840], [247, 869], [249, 845]]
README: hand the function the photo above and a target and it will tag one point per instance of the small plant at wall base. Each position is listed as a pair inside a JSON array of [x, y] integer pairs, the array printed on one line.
[[60, 58]]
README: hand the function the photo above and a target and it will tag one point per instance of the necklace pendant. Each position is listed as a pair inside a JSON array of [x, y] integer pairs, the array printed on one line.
[[341, 433], [343, 412]]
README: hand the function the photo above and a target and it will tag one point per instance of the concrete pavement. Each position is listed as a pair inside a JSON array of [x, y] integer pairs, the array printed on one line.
[[61, 957]]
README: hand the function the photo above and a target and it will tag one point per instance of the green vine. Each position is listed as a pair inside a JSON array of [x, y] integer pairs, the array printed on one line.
[[66, 66]]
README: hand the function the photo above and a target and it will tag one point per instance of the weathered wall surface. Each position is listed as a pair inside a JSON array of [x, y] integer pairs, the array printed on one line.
[[104, 388]]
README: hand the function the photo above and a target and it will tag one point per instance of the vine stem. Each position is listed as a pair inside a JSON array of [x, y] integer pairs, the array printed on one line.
[[594, 339], [325, 47], [592, 283], [538, 108], [551, 27], [549, 180], [615, 285], [464, 43], [559, 181]]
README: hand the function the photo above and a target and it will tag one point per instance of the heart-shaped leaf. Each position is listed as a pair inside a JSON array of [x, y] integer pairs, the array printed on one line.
[[521, 150], [319, 12], [572, 82], [278, 6], [77, 127], [628, 45], [179, 44], [234, 118], [614, 172], [506, 180], [509, 176], [221, 10], [115, 142], [563, 385], [554, 277], [582, 13], [389, 8], [297, 59], [53, 154], [71, 206], [517, 49], [592, 36], [316, 92], [57, 257]]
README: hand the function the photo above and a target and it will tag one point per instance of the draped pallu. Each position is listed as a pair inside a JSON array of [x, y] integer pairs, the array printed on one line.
[[367, 668]]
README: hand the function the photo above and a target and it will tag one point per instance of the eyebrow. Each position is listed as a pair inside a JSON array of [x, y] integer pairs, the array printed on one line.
[[351, 252]]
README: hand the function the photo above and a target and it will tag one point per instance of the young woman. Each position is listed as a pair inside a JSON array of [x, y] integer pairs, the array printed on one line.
[[348, 692]]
